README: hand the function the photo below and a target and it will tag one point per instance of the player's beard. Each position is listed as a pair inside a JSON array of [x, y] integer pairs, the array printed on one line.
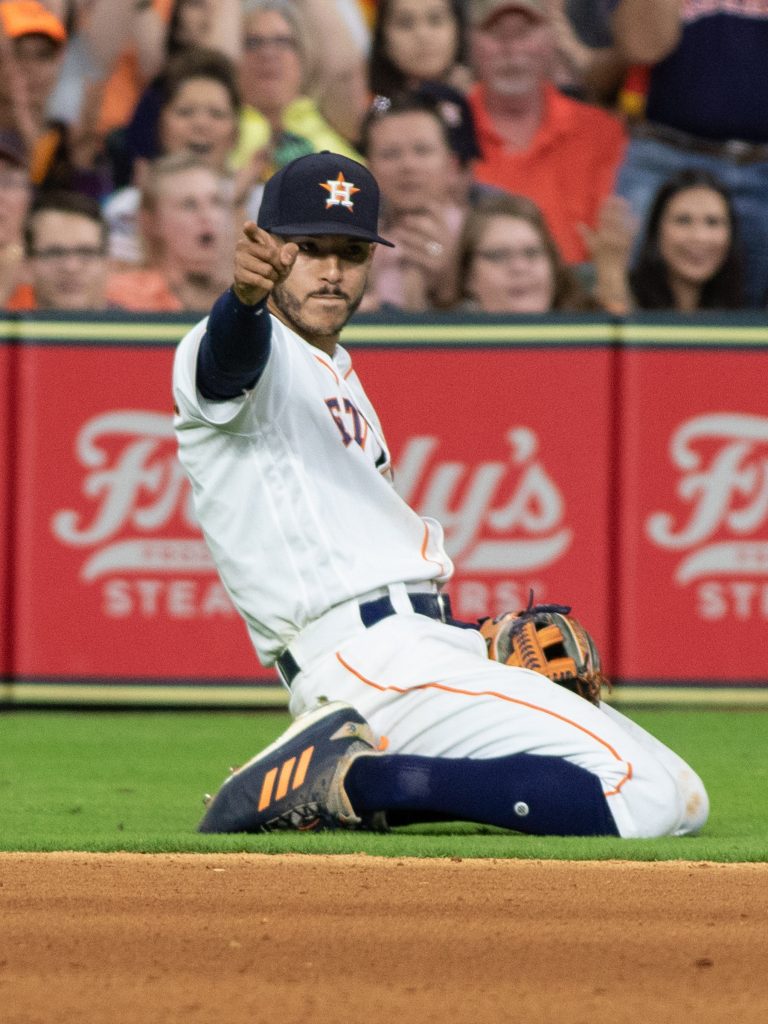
[[318, 327]]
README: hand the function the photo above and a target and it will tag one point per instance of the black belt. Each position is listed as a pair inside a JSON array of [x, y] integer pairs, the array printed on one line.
[[434, 606], [738, 151]]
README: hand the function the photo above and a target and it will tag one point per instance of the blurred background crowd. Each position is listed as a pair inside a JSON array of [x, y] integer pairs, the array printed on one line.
[[533, 155]]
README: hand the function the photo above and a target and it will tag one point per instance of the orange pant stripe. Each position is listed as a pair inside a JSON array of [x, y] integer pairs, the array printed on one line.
[[498, 696]]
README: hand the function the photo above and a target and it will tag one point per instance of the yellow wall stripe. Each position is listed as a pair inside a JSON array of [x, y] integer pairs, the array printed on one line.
[[276, 696], [157, 694], [695, 335]]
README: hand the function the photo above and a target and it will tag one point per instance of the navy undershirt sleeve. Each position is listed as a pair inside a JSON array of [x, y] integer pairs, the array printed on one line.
[[235, 348]]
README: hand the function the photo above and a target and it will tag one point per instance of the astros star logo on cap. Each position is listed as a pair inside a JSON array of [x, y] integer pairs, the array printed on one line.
[[341, 192]]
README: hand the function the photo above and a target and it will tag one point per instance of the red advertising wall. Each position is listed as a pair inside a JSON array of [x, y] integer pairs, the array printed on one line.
[[694, 513], [628, 480], [113, 579], [6, 420], [514, 473], [114, 583]]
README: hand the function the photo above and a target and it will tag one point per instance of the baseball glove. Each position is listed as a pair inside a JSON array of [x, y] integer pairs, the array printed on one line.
[[546, 639]]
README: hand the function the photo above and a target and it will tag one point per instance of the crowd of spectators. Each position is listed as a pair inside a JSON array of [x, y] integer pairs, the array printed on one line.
[[533, 155]]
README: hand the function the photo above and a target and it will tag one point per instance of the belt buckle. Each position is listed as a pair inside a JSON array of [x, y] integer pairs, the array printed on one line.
[[442, 604]]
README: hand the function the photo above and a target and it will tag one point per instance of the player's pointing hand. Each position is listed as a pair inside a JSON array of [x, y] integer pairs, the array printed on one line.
[[261, 261]]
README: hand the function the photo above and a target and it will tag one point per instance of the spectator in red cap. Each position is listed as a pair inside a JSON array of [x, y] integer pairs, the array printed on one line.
[[32, 45], [31, 49], [535, 141]]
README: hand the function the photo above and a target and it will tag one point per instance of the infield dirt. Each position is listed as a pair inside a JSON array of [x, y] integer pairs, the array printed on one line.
[[236, 938]]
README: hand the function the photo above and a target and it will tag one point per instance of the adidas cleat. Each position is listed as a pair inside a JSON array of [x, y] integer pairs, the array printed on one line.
[[298, 781]]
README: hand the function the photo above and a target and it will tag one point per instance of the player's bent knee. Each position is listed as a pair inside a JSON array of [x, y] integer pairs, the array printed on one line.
[[695, 800], [649, 805]]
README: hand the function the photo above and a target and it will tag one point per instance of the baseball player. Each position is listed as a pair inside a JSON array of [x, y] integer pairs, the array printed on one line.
[[399, 712]]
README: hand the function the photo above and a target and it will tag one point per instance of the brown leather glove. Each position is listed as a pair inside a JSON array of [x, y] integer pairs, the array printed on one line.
[[546, 639]]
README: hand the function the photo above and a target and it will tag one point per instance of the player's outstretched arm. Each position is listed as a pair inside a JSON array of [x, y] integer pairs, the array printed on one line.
[[235, 347], [261, 262]]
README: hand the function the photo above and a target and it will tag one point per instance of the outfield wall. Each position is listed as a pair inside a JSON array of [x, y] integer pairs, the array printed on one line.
[[621, 467]]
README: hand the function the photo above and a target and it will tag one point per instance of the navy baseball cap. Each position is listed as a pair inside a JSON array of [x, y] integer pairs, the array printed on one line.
[[322, 194]]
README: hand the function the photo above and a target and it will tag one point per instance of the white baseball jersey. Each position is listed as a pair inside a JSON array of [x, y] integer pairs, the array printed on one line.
[[266, 468], [292, 487]]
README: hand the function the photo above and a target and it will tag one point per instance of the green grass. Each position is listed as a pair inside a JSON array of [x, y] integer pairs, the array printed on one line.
[[134, 780]]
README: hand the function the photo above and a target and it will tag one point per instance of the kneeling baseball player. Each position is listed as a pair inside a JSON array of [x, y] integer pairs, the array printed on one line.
[[401, 714]]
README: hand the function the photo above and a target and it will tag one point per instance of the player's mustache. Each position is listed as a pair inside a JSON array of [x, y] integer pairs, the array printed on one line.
[[335, 292]]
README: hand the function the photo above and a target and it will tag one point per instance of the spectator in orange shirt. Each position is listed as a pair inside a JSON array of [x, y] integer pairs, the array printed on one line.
[[535, 141], [65, 238], [187, 221]]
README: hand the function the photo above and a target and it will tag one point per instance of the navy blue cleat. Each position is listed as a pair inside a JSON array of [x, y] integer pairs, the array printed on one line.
[[298, 781]]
